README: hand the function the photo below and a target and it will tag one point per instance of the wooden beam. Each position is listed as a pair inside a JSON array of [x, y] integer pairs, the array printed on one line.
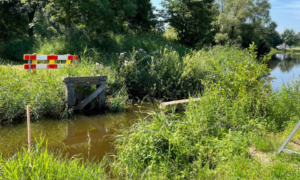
[[70, 95], [90, 98], [178, 104], [101, 97], [85, 80]]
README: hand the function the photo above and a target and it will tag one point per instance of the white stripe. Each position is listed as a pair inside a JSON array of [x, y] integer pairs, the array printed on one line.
[[41, 66], [62, 57], [41, 57], [45, 57]]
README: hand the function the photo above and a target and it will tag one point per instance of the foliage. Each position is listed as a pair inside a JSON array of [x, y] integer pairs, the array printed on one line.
[[191, 19], [118, 102], [274, 35], [243, 22], [43, 91], [144, 19], [12, 25], [290, 37], [41, 164]]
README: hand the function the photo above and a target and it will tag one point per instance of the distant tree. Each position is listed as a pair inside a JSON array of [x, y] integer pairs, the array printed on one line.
[[275, 38], [289, 37], [244, 22], [144, 19], [192, 19]]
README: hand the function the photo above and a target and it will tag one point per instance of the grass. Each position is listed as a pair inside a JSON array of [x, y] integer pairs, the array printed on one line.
[[232, 133], [41, 164], [275, 50], [43, 91]]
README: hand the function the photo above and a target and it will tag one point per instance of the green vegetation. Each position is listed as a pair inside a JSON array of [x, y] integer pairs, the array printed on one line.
[[293, 51], [232, 133], [41, 164]]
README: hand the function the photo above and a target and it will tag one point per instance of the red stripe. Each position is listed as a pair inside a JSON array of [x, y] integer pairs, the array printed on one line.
[[26, 66], [32, 57], [26, 57], [70, 57], [75, 57], [52, 57], [52, 66]]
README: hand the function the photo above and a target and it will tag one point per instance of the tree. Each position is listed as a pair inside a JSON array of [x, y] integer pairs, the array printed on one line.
[[13, 25], [244, 22], [192, 19], [144, 19], [100, 15], [289, 37], [29, 8], [274, 36]]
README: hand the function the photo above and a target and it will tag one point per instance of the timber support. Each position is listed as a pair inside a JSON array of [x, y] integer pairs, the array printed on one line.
[[71, 94]]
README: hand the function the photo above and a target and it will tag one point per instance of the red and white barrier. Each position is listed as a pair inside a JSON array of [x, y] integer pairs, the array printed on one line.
[[32, 61], [50, 57], [46, 66]]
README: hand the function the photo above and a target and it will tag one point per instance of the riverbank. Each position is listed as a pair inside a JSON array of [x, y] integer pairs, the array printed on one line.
[[232, 133], [275, 50]]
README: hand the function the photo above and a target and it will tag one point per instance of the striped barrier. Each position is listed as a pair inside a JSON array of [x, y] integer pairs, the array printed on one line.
[[32, 61]]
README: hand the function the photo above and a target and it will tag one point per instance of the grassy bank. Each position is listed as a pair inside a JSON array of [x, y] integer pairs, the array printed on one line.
[[41, 164], [275, 50], [232, 133]]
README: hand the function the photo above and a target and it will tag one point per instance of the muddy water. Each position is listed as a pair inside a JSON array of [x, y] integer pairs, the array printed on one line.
[[89, 137], [284, 67]]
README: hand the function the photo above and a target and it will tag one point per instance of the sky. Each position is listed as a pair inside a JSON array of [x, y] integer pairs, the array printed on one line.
[[286, 13]]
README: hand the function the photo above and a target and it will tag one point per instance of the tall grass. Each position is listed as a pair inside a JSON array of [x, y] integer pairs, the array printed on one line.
[[41, 164], [44, 91], [212, 138]]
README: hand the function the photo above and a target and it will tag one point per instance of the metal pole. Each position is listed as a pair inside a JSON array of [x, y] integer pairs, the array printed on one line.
[[28, 128], [29, 62], [289, 138]]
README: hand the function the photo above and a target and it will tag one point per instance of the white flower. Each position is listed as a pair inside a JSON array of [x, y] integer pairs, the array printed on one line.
[[141, 50], [121, 54], [155, 52]]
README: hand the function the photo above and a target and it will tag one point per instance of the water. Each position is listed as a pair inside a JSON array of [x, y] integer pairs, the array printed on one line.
[[90, 137], [284, 67]]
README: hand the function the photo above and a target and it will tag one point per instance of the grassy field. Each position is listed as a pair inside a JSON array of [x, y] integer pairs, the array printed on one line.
[[275, 50]]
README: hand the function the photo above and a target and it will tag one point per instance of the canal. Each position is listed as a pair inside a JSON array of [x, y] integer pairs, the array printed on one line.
[[284, 67]]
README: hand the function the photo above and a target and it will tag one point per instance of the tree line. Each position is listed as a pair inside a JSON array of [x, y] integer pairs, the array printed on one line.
[[197, 23]]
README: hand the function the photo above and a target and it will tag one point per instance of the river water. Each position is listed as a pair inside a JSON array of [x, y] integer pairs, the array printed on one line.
[[284, 67], [90, 137]]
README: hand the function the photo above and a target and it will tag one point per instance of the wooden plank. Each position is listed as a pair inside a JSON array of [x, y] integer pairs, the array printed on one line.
[[101, 98], [90, 98], [85, 79], [79, 96], [178, 103], [70, 96]]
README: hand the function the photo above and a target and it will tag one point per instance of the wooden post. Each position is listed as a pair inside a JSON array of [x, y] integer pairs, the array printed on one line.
[[70, 95], [101, 97], [28, 129]]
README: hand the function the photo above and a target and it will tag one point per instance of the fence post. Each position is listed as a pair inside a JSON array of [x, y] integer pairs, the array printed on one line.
[[28, 129]]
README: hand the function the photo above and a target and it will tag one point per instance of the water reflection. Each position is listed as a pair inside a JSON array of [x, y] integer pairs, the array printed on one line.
[[284, 68], [86, 136]]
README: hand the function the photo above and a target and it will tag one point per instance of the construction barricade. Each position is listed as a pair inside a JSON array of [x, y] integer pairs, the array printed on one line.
[[33, 58]]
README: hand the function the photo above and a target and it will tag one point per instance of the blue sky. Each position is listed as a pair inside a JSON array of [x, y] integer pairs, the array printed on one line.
[[286, 13]]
